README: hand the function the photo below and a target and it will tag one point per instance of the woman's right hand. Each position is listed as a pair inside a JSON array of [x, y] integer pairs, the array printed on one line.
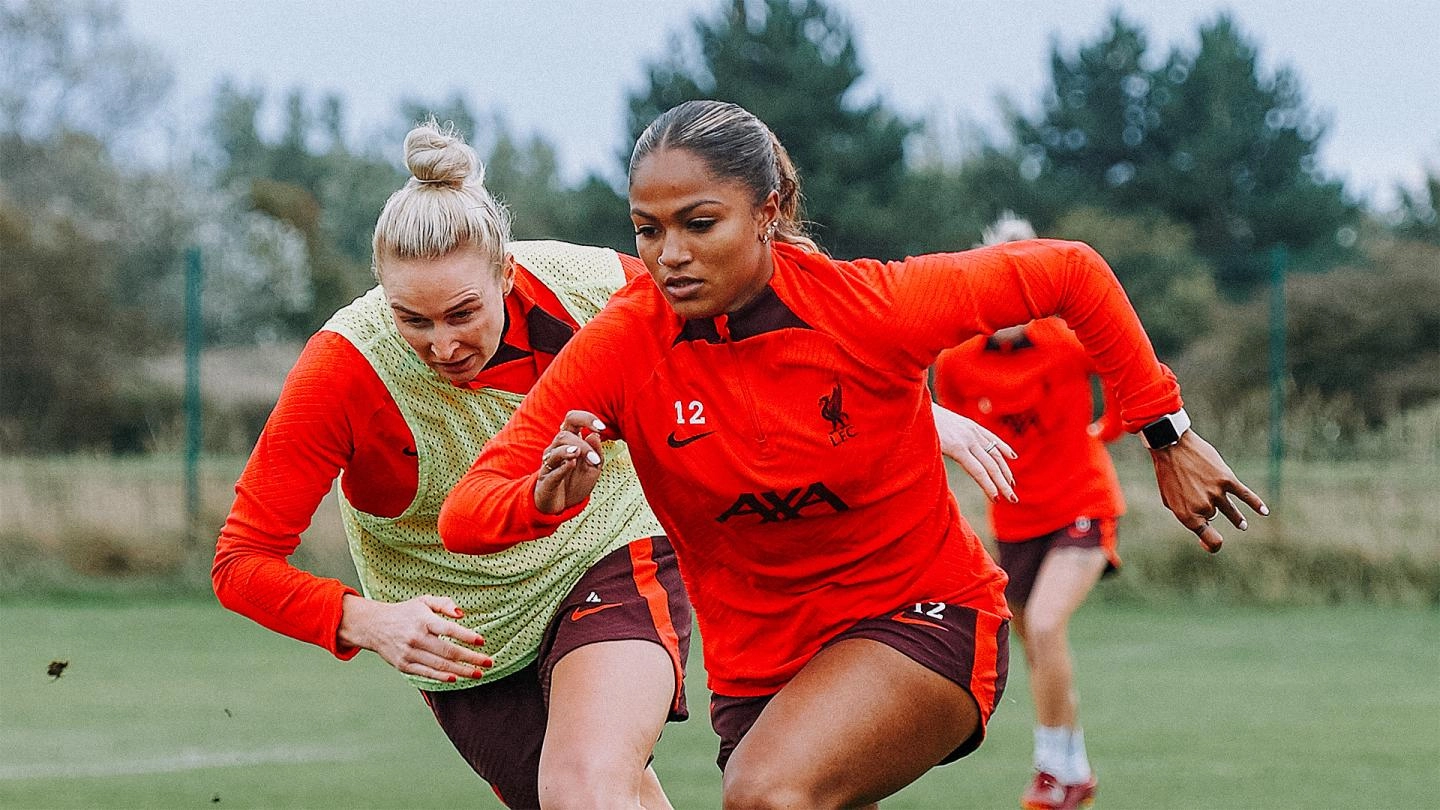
[[984, 456], [414, 636], [570, 466], [1196, 485]]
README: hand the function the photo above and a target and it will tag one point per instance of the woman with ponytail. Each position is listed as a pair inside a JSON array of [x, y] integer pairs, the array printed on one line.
[[552, 666], [775, 403]]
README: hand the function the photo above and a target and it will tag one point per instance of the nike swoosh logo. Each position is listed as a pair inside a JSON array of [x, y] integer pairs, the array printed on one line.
[[581, 613], [674, 442], [412, 452], [903, 619]]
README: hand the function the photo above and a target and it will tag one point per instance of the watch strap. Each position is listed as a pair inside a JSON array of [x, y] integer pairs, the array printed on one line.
[[1166, 430]]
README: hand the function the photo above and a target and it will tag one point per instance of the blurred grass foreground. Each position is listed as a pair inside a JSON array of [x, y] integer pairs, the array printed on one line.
[[180, 704]]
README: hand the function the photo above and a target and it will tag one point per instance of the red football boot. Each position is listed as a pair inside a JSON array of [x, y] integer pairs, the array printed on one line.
[[1045, 793], [1081, 795]]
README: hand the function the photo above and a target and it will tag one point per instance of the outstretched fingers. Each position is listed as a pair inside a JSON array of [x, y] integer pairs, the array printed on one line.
[[975, 468], [439, 658], [1196, 485], [419, 636], [987, 464], [1002, 454], [979, 452], [1247, 495], [570, 466], [1210, 539]]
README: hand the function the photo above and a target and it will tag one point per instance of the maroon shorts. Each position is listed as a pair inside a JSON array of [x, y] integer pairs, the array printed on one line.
[[634, 592], [970, 647], [1021, 559]]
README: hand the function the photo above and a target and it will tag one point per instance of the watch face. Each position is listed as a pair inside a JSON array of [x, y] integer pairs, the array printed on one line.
[[1161, 433]]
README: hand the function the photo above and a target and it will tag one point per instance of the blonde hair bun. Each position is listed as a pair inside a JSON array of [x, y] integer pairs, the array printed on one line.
[[438, 156], [444, 205]]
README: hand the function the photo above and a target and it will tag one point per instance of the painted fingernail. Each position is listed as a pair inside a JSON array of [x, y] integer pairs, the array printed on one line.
[[1014, 499], [597, 424], [450, 679], [479, 673], [593, 457], [1264, 510], [459, 614], [1244, 524], [571, 450]]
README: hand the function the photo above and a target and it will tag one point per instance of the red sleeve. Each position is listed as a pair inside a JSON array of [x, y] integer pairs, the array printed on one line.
[[493, 506], [940, 300], [1108, 427], [307, 440], [954, 374]]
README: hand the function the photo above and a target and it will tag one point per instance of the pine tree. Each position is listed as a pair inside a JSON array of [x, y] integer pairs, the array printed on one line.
[[794, 65], [1204, 138]]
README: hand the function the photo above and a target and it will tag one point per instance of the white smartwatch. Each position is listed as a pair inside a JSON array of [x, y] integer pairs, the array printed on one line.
[[1166, 430]]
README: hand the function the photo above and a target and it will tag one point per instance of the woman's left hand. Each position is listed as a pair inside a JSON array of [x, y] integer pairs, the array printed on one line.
[[570, 466], [1196, 485], [978, 451]]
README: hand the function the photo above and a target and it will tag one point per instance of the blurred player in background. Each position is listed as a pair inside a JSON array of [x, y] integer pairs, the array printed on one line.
[[1031, 385]]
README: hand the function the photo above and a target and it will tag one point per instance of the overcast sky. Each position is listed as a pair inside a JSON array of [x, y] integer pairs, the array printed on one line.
[[563, 69]]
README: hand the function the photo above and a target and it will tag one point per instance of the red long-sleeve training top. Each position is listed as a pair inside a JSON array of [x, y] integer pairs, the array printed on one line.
[[334, 414], [788, 447], [1035, 394]]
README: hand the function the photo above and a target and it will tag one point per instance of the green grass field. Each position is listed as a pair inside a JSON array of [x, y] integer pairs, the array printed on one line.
[[181, 705]]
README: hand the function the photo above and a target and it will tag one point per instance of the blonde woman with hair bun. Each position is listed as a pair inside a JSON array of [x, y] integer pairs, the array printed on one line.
[[552, 666]]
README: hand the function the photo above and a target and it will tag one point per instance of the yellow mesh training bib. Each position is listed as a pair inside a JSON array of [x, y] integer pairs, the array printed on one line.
[[511, 596]]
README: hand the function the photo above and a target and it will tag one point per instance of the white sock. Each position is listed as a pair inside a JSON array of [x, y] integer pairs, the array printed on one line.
[[1077, 764], [1052, 750]]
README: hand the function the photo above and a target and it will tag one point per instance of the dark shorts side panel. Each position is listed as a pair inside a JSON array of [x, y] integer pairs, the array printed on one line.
[[498, 727], [967, 646], [1022, 559], [634, 593]]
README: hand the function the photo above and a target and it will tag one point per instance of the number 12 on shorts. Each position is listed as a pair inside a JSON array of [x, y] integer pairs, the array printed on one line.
[[935, 610]]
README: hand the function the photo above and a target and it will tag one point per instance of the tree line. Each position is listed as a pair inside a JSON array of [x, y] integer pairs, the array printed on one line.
[[1185, 169]]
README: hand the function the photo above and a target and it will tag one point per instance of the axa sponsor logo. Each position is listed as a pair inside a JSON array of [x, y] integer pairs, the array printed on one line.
[[775, 507], [832, 408]]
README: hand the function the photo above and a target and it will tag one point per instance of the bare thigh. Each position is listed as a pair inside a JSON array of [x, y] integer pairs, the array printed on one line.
[[1066, 577], [859, 722], [608, 703]]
